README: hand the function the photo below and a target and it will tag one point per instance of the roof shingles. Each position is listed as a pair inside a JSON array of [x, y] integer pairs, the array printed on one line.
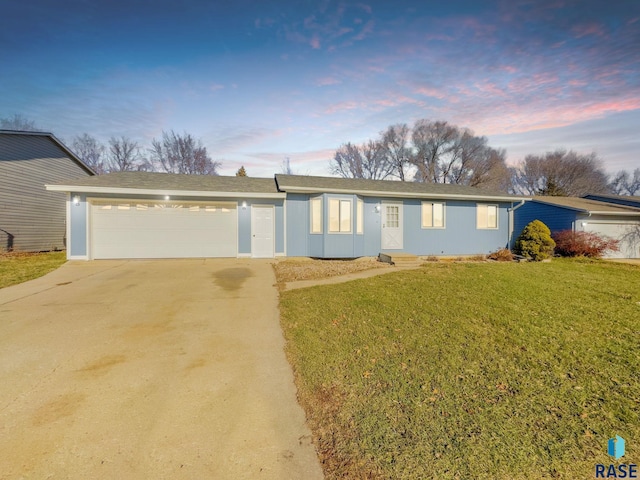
[[171, 181]]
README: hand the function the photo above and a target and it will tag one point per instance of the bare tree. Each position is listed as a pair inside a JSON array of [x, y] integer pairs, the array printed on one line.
[[286, 167], [489, 171], [362, 161], [18, 122], [124, 155], [90, 151], [625, 183], [444, 153], [432, 141], [560, 173], [176, 153], [394, 145]]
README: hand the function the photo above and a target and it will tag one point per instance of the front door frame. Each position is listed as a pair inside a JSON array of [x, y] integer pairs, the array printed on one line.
[[254, 239], [392, 238]]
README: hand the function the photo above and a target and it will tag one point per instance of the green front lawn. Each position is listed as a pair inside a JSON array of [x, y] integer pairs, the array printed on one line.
[[17, 268], [473, 371]]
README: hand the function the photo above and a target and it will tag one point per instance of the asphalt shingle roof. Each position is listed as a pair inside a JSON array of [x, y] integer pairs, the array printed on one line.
[[395, 188], [172, 181]]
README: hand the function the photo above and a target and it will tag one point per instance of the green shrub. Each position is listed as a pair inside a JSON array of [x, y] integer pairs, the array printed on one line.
[[535, 242]]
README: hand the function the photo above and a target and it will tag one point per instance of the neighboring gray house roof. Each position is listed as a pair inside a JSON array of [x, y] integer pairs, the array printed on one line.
[[386, 188], [589, 206], [151, 183], [18, 145]]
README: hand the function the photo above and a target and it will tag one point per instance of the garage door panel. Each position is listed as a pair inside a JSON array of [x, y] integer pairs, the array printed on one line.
[[179, 230], [628, 246]]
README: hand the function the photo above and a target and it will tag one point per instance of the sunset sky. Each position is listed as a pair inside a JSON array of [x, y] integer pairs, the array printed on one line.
[[263, 80]]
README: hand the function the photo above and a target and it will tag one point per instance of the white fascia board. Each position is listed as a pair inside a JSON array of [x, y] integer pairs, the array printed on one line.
[[171, 193], [374, 193], [613, 214]]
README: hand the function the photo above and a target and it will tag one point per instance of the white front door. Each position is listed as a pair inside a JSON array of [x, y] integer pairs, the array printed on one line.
[[262, 231], [392, 226]]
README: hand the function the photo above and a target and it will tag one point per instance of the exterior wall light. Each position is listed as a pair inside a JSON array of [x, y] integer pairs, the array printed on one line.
[[244, 205], [377, 208], [167, 197], [76, 200]]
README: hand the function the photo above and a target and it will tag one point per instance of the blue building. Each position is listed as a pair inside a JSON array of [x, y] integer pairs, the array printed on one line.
[[155, 215], [596, 213]]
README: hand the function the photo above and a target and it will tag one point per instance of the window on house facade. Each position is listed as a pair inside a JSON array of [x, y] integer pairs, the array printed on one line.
[[360, 216], [432, 215], [316, 215], [487, 216], [339, 216]]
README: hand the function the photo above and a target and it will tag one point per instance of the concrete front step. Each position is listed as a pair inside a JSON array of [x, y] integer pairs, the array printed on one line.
[[400, 259]]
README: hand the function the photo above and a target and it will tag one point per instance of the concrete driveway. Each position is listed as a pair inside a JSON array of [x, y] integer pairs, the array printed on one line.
[[149, 369]]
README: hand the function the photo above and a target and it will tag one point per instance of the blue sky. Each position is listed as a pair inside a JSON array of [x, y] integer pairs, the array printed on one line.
[[261, 81]]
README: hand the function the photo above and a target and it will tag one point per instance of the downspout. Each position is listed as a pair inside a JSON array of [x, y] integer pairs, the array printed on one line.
[[512, 221]]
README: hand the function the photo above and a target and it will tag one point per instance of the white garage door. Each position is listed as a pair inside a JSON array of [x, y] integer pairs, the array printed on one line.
[[629, 246], [151, 229]]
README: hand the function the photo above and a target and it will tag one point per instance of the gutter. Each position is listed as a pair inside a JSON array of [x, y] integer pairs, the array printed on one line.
[[377, 193], [171, 193], [511, 219]]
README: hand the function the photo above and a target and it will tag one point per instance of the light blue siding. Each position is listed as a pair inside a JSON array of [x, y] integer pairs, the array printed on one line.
[[459, 237], [78, 226], [298, 226], [244, 229]]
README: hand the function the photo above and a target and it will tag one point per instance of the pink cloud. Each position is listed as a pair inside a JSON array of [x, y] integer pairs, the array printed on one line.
[[341, 107], [587, 29], [326, 81], [215, 86], [508, 68], [530, 118], [430, 92], [315, 42]]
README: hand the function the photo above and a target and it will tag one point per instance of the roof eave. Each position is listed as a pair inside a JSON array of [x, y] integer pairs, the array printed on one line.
[[377, 193], [159, 192]]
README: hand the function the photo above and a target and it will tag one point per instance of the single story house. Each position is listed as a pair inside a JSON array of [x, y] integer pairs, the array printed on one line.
[[156, 215], [617, 221], [31, 217]]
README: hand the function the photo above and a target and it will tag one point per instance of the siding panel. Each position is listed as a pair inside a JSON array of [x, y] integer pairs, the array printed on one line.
[[29, 214]]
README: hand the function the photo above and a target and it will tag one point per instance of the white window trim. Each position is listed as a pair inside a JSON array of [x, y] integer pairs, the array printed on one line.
[[478, 205], [444, 215], [320, 214], [340, 202], [359, 216]]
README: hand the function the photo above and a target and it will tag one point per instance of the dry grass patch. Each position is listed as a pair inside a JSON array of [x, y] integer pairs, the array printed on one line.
[[19, 267], [294, 270]]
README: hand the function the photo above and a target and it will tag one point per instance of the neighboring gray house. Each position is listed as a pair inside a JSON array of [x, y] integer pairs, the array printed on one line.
[[155, 215], [32, 218], [585, 215]]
